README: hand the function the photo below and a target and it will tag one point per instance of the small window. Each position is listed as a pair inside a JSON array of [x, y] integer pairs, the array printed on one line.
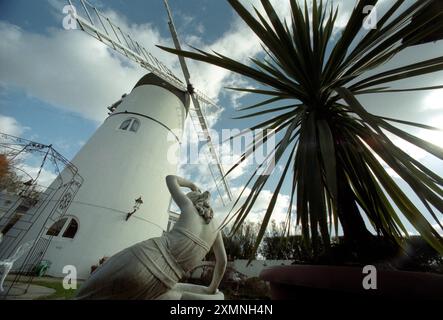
[[125, 124], [55, 229], [131, 124], [134, 126], [71, 230]]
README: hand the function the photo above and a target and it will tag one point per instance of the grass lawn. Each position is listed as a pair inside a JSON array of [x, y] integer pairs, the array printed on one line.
[[59, 294]]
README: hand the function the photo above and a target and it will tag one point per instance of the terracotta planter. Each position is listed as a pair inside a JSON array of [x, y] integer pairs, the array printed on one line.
[[306, 281]]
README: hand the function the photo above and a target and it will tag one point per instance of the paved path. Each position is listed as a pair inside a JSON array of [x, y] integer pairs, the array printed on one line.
[[34, 292], [18, 291]]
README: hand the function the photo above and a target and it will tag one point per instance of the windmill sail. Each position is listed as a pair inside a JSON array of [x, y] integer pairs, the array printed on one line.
[[198, 116], [99, 26]]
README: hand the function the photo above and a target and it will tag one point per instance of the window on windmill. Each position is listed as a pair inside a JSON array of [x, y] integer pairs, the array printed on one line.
[[125, 124], [55, 229], [71, 230], [134, 126], [130, 124]]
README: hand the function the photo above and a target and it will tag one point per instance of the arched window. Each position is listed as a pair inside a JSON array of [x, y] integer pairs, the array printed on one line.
[[130, 124], [68, 227], [55, 229], [71, 230]]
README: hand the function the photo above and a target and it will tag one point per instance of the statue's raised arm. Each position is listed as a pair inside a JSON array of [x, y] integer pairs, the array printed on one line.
[[174, 183]]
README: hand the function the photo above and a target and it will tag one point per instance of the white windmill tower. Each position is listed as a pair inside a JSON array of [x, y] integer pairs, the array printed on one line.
[[124, 199]]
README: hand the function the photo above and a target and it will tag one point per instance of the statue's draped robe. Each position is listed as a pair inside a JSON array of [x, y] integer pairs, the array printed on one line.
[[147, 269]]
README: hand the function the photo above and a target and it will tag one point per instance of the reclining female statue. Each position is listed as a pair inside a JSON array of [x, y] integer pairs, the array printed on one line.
[[152, 267]]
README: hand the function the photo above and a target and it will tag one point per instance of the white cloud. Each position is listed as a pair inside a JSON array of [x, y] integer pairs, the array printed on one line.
[[65, 68], [11, 126], [238, 43], [75, 72], [45, 178], [200, 28]]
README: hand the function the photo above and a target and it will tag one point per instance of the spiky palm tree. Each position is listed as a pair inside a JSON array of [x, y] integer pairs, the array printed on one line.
[[326, 140]]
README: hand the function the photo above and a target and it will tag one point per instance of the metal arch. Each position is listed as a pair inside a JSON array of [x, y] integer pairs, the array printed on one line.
[[16, 146], [73, 181]]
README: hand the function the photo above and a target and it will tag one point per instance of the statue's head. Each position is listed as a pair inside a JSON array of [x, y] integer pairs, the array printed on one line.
[[201, 203]]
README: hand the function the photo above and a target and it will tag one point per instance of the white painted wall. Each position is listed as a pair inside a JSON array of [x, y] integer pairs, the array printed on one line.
[[118, 167]]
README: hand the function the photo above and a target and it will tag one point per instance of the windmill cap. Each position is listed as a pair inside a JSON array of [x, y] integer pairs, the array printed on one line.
[[153, 79]]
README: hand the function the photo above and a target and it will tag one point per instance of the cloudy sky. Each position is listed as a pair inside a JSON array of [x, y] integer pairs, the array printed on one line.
[[56, 84]]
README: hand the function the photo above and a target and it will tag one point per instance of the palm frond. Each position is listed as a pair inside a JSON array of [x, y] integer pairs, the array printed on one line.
[[332, 148]]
